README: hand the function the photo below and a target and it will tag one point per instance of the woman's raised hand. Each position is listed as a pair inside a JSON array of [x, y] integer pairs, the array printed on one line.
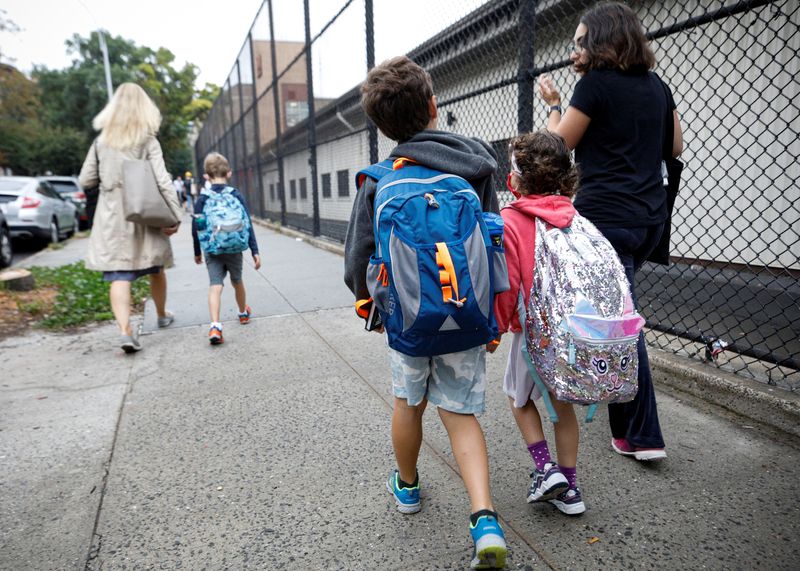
[[548, 91]]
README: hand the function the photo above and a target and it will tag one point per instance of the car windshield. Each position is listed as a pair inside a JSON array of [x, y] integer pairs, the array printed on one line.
[[64, 186], [12, 185]]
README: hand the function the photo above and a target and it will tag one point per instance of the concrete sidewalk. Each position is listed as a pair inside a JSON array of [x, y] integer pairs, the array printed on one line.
[[271, 450]]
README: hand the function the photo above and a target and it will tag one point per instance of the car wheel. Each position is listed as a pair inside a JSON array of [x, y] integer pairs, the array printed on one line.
[[54, 232], [6, 253]]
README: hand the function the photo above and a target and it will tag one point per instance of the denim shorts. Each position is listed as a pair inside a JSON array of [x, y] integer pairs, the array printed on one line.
[[220, 264], [455, 382], [130, 275]]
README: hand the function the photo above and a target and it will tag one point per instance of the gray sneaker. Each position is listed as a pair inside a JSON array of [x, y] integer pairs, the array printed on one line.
[[130, 343], [167, 319]]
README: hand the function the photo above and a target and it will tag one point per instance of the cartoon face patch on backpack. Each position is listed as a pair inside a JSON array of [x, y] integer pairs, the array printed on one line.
[[581, 327], [224, 226]]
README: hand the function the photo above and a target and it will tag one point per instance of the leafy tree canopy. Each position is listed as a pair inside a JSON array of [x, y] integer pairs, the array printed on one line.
[[60, 104]]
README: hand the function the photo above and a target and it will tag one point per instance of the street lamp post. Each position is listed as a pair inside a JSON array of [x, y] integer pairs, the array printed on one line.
[[106, 65]]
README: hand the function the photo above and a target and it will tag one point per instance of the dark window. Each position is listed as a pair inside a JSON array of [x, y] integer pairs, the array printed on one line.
[[326, 185], [272, 192], [343, 180], [303, 189], [293, 189]]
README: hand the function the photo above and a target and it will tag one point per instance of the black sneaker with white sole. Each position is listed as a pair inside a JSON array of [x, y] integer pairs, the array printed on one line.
[[569, 502]]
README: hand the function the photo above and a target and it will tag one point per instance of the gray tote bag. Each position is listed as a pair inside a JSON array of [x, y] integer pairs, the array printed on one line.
[[142, 200]]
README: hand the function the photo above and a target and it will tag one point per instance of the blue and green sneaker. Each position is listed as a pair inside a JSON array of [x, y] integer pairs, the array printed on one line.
[[407, 499], [490, 542]]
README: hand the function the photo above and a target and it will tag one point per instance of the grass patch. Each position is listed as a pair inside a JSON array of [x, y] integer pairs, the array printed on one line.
[[82, 296]]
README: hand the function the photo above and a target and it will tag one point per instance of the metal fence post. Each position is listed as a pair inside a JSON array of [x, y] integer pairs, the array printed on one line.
[[257, 127], [526, 39], [275, 98], [233, 156], [243, 169], [312, 125], [372, 130]]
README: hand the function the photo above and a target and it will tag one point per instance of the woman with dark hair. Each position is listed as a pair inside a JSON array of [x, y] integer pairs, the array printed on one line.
[[618, 124]]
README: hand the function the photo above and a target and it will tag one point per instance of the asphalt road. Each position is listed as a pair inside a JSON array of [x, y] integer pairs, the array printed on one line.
[[24, 249]]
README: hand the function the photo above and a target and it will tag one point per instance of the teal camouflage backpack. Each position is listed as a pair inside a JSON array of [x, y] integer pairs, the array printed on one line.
[[224, 226]]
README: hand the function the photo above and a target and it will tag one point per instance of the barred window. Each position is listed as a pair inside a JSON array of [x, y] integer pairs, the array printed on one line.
[[303, 189], [343, 180], [326, 185], [293, 189]]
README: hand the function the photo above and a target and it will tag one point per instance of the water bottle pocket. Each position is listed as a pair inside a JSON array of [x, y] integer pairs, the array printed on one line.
[[378, 283], [499, 269]]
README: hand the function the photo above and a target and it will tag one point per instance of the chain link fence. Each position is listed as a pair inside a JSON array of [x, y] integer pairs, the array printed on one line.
[[289, 120]]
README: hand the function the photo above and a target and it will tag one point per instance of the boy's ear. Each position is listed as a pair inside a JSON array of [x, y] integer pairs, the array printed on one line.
[[433, 110], [228, 174]]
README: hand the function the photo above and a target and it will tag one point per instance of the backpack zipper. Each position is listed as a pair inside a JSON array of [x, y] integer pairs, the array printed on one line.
[[434, 179]]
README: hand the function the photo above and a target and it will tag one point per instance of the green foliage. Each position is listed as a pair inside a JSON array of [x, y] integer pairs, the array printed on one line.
[[50, 119], [82, 295]]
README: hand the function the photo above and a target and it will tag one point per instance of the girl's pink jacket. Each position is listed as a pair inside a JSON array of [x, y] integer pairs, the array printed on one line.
[[518, 241]]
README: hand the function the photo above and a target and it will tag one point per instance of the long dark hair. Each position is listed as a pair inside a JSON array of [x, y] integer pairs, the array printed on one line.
[[615, 39]]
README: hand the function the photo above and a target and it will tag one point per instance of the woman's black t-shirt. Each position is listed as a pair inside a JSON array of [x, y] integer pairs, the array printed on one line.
[[620, 153]]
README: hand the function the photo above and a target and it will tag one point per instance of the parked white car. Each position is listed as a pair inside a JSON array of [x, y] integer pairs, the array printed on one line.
[[33, 209], [69, 188]]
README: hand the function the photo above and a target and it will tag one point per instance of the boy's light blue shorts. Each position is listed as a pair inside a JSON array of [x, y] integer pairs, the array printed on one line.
[[455, 382]]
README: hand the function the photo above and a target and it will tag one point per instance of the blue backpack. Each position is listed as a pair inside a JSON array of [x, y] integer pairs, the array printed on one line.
[[224, 226], [436, 266]]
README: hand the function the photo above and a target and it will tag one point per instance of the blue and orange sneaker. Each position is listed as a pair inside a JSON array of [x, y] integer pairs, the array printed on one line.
[[490, 542], [407, 499], [244, 317], [215, 335]]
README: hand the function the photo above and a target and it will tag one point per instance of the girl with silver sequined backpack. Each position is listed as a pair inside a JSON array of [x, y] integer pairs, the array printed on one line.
[[544, 179]]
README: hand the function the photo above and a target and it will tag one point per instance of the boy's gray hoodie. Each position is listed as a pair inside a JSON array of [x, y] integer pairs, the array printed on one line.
[[471, 159]]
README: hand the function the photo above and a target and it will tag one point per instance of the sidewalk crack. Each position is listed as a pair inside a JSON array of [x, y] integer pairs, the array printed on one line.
[[96, 542]]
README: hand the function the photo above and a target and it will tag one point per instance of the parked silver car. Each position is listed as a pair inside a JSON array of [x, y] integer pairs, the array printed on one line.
[[34, 209], [69, 187]]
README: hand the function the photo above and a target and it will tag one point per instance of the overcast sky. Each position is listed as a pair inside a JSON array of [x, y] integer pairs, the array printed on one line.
[[210, 34]]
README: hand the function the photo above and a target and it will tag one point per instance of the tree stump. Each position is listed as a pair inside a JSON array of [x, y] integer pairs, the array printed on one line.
[[16, 279]]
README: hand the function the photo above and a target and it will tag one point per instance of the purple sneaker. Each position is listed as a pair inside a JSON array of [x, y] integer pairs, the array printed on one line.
[[570, 502], [546, 483]]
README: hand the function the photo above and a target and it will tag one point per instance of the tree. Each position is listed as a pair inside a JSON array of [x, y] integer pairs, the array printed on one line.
[[29, 146], [7, 25], [71, 97]]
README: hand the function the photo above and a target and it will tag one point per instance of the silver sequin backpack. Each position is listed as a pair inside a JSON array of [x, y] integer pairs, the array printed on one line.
[[581, 328]]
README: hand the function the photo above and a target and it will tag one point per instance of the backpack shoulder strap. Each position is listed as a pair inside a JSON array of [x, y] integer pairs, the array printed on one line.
[[375, 172]]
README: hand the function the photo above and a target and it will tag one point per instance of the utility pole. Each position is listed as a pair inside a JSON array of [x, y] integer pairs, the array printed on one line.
[[104, 49]]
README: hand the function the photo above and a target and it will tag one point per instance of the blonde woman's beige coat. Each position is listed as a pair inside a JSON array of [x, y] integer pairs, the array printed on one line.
[[116, 244]]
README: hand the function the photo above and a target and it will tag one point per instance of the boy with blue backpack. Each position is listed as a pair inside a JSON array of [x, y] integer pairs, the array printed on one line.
[[222, 228], [424, 266]]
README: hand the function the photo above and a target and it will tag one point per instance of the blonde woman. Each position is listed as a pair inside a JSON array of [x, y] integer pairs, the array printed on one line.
[[123, 250]]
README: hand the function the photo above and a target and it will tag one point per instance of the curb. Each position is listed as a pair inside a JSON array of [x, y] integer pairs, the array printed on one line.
[[333, 247], [774, 407]]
